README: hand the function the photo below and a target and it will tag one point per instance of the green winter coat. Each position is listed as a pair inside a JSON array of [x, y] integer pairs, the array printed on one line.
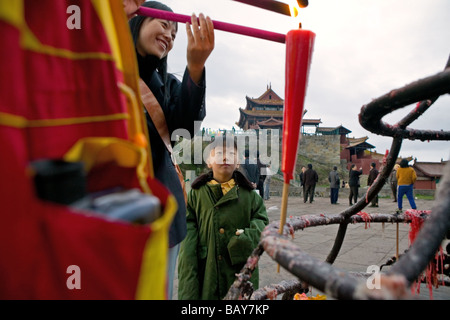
[[212, 254]]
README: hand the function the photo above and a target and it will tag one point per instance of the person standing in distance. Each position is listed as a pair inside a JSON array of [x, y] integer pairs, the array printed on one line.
[[353, 182], [335, 182], [406, 176], [373, 174], [311, 178], [393, 181]]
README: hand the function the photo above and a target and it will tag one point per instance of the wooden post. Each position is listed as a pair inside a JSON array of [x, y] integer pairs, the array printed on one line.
[[283, 213], [396, 254]]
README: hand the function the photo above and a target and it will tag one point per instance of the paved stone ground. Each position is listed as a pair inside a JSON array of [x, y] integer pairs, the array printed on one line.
[[361, 248]]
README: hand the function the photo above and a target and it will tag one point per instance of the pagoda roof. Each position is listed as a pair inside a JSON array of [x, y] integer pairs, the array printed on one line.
[[430, 169], [380, 156], [269, 97], [333, 130], [262, 113], [276, 117], [311, 122], [253, 101], [272, 122], [360, 143]]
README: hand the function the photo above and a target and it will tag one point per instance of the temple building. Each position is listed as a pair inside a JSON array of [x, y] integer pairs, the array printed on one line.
[[331, 144], [428, 174], [266, 112]]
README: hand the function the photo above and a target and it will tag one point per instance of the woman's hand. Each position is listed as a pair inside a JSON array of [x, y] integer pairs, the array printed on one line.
[[131, 6], [200, 35]]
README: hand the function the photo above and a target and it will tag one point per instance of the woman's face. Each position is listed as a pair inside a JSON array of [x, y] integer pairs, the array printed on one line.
[[156, 37]]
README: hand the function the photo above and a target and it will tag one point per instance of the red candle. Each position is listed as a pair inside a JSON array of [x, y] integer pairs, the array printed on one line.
[[299, 48]]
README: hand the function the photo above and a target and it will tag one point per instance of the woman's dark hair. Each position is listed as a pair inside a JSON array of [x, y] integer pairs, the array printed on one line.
[[135, 26], [404, 163]]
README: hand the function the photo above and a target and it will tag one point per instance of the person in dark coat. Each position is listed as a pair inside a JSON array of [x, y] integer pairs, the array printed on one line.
[[310, 178], [335, 183], [183, 103], [262, 175], [250, 169], [353, 182], [373, 174]]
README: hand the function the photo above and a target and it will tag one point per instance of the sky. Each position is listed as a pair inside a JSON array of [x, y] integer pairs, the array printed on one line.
[[363, 50]]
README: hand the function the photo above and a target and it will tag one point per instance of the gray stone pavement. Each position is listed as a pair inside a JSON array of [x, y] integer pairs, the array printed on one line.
[[362, 246]]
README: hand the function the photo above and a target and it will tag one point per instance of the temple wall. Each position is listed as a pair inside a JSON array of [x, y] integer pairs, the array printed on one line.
[[326, 148]]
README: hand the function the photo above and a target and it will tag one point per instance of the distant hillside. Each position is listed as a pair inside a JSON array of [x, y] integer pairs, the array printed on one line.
[[322, 169]]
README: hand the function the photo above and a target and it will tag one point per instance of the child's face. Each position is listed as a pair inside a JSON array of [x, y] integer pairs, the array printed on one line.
[[156, 37], [223, 162]]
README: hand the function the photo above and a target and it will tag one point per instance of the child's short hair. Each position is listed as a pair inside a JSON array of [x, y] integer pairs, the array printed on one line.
[[225, 142]]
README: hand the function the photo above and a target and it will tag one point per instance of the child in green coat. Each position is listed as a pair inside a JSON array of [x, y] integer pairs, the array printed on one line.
[[225, 218]]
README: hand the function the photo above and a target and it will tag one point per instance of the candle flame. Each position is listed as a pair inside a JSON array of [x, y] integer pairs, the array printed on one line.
[[293, 7]]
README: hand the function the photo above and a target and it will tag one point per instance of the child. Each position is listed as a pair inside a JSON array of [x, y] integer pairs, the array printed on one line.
[[225, 219]]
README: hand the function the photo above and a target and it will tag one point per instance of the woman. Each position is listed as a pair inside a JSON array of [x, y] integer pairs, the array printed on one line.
[[183, 103]]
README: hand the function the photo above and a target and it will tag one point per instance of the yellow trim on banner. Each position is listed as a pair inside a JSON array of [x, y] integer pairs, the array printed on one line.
[[30, 42], [108, 21], [115, 24], [12, 12], [152, 283], [20, 122], [97, 150], [130, 94]]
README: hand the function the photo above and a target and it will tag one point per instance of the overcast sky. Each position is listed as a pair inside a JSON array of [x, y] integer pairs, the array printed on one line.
[[363, 49]]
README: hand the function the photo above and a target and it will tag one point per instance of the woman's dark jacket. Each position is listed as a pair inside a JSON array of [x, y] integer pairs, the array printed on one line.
[[183, 103], [353, 180], [310, 177]]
